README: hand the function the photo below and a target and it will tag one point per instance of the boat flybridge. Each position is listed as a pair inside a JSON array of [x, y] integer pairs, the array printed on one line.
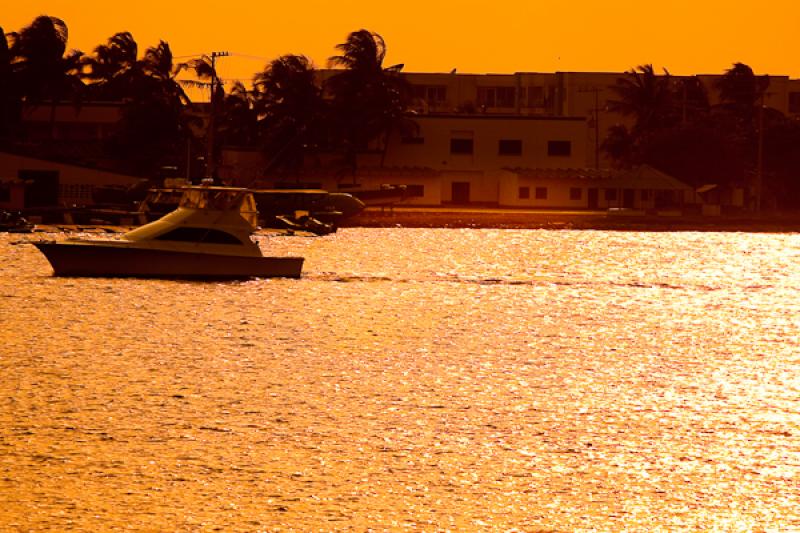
[[207, 236]]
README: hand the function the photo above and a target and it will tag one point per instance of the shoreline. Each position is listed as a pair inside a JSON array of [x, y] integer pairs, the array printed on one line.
[[488, 218]]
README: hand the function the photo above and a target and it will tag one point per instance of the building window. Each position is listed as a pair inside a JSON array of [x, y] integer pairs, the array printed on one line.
[[541, 193], [5, 192], [575, 193], [460, 146], [509, 147], [412, 140], [486, 96], [647, 195], [497, 96], [524, 193], [794, 102], [506, 97], [559, 148], [433, 95], [535, 96], [416, 191], [611, 195]]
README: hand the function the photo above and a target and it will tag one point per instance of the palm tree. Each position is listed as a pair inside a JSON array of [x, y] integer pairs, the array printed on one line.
[[741, 91], [161, 71], [291, 111], [42, 66], [620, 145], [238, 125], [154, 125], [113, 68], [9, 95], [645, 97], [369, 100], [742, 105]]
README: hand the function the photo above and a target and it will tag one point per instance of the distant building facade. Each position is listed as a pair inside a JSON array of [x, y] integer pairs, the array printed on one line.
[[71, 123], [559, 94], [643, 189], [481, 139], [28, 182], [450, 159]]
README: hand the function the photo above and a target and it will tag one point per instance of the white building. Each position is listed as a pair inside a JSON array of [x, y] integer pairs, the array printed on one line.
[[464, 152], [644, 188], [525, 161], [52, 183]]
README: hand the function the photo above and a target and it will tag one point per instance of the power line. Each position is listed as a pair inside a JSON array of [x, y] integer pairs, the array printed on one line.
[[249, 56], [231, 54]]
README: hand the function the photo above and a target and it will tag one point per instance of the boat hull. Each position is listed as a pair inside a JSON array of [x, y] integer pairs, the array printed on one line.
[[81, 260]]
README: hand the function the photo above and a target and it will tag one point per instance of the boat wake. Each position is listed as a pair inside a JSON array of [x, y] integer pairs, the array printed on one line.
[[502, 281]]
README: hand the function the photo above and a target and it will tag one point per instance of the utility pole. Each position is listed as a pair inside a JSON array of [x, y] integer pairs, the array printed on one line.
[[596, 111], [683, 101], [596, 128], [211, 162]]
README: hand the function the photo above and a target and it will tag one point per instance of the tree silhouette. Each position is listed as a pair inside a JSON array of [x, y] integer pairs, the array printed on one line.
[[161, 72], [238, 124], [649, 100], [782, 161], [741, 91], [369, 100], [113, 70], [646, 97], [291, 109], [673, 129], [742, 109], [620, 145], [43, 69], [9, 94], [660, 106], [698, 152], [677, 131], [155, 123]]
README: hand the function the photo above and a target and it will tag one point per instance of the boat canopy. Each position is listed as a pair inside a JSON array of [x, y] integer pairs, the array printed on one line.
[[221, 199]]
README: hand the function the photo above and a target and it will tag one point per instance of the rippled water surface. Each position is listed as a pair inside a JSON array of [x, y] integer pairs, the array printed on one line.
[[462, 380]]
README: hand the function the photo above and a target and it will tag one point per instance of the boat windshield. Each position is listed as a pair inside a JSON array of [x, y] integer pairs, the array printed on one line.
[[222, 200]]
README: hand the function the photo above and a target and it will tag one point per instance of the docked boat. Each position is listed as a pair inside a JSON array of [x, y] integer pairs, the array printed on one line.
[[14, 222], [386, 196], [209, 235], [275, 206]]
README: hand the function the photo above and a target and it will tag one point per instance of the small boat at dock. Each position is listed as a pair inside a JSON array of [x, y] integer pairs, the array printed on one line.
[[207, 236], [275, 207], [14, 222], [386, 196]]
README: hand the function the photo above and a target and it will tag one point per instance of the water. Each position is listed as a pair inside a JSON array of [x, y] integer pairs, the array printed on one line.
[[464, 380]]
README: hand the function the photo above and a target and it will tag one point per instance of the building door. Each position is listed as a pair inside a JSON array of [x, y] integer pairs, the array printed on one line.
[[627, 198], [593, 198], [460, 192]]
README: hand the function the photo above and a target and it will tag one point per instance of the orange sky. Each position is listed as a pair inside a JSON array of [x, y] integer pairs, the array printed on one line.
[[685, 36]]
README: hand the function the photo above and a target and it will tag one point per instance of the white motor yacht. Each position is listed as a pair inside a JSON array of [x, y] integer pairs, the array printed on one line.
[[207, 236]]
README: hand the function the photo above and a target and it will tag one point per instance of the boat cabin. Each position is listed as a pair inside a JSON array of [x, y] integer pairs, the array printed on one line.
[[205, 215], [222, 199]]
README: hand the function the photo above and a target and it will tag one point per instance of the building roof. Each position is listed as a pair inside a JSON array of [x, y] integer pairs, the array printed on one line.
[[366, 171], [643, 176], [563, 173]]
